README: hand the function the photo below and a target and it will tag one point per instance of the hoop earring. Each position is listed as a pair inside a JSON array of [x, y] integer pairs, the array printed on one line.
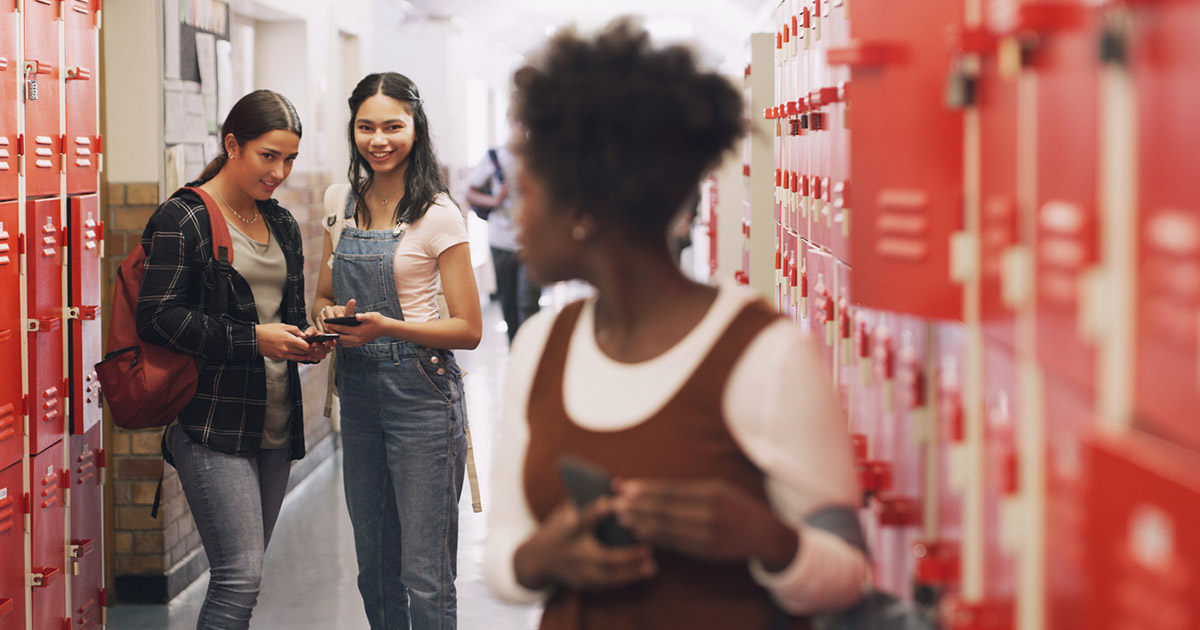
[[579, 233]]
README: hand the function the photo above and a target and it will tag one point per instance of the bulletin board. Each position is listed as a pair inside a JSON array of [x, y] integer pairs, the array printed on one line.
[[197, 85]]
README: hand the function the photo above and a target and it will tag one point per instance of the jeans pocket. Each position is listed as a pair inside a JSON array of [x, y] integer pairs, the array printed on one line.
[[440, 379]]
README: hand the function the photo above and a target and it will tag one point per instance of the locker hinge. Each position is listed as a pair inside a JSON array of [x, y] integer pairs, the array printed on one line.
[[62, 10], [62, 143], [20, 144], [67, 623], [25, 503], [100, 461], [25, 405]]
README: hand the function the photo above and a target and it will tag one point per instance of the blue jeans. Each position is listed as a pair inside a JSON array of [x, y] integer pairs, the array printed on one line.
[[404, 455], [235, 500]]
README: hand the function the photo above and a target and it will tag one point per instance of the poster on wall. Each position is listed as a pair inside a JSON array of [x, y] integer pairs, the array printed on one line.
[[197, 84]]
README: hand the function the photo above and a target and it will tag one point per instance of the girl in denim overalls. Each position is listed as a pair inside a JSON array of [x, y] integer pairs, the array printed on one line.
[[403, 417]]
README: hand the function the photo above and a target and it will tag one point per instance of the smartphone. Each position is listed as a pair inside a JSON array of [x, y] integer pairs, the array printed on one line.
[[319, 337], [347, 320], [585, 482]]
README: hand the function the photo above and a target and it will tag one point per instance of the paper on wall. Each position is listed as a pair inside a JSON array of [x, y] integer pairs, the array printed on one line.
[[206, 57]]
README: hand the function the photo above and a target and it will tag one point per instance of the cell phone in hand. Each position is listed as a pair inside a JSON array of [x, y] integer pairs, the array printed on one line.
[[585, 482], [346, 320], [319, 337]]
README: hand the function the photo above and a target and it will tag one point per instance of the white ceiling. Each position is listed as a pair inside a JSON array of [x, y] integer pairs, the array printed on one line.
[[718, 29]]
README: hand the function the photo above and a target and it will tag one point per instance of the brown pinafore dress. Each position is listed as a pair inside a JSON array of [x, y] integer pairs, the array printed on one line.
[[687, 439]]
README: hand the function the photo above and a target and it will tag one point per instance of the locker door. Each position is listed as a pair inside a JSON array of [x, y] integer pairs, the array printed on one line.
[[48, 537], [87, 530], [997, 107], [81, 74], [10, 67], [1165, 59], [86, 235], [44, 263], [905, 154], [1069, 418], [11, 430], [1143, 557], [43, 136], [1067, 232], [1002, 532], [12, 552]]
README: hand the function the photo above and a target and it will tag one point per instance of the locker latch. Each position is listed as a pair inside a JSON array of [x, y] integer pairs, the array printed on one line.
[[44, 576], [78, 73]]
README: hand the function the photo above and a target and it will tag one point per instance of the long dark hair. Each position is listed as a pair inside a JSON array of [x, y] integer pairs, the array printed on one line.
[[422, 179], [254, 114]]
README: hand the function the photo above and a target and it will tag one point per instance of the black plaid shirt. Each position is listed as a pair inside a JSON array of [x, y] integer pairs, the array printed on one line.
[[229, 409]]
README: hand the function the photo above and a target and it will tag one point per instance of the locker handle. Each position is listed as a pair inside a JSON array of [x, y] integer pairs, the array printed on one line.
[[78, 74], [81, 547], [45, 576], [33, 66], [860, 54], [45, 324]]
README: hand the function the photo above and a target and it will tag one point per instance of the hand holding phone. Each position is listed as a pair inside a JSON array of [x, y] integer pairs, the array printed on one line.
[[319, 337], [585, 482]]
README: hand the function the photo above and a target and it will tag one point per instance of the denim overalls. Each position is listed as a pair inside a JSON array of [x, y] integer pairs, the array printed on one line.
[[404, 448]]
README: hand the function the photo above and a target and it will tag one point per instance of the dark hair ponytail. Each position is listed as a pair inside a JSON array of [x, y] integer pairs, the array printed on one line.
[[254, 114], [422, 179]]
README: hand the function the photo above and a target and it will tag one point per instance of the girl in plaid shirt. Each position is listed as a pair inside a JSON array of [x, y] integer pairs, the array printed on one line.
[[233, 444]]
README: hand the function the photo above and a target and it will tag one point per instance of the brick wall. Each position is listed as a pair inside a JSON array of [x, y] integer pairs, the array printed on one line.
[[153, 559]]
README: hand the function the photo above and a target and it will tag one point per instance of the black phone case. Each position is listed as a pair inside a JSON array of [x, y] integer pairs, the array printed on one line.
[[586, 482], [347, 320]]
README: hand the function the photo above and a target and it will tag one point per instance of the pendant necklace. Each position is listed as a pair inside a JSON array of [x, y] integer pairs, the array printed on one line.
[[235, 212], [385, 197]]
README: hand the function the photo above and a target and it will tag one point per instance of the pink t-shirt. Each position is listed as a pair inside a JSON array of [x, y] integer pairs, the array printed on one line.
[[416, 264]]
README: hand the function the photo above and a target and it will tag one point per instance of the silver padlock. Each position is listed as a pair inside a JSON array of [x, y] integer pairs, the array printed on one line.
[[31, 90]]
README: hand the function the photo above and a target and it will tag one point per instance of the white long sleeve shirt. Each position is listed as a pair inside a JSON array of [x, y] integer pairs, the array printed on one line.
[[781, 409]]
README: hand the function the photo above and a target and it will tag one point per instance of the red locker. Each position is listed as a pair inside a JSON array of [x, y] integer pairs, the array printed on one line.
[[1067, 70], [1070, 417], [43, 135], [831, 94], [905, 153], [80, 72], [87, 530], [10, 65], [87, 234], [896, 514], [44, 254], [996, 103], [12, 549], [1143, 557], [1165, 61], [48, 536], [11, 429], [1001, 474]]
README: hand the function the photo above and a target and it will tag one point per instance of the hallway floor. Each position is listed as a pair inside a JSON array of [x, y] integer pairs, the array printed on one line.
[[309, 579]]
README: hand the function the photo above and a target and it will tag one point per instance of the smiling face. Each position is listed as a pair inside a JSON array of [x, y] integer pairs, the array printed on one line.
[[384, 133], [258, 167]]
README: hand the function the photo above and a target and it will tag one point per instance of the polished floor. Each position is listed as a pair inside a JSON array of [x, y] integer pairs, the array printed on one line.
[[309, 578]]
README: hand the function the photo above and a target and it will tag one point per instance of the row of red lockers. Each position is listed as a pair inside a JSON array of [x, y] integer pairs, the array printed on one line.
[[49, 165], [37, 82], [903, 74]]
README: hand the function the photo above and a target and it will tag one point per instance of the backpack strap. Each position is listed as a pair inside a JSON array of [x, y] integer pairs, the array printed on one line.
[[222, 246], [496, 163]]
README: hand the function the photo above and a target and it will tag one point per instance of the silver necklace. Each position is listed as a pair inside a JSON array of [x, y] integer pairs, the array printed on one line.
[[235, 212], [384, 202]]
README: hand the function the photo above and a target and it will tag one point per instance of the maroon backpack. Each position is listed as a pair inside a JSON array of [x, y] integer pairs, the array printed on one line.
[[147, 385]]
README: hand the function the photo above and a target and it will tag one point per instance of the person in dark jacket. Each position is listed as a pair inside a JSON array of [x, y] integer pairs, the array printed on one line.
[[233, 444]]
